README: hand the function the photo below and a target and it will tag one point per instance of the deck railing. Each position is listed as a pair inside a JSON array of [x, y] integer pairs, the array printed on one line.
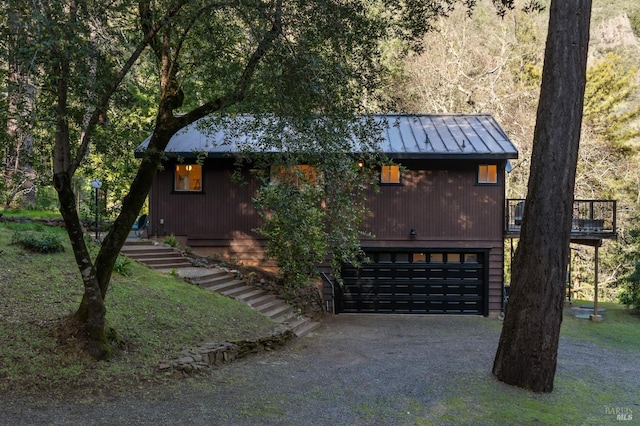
[[596, 218]]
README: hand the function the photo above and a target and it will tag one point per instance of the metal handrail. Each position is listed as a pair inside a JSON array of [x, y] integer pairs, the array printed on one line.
[[331, 308], [589, 216]]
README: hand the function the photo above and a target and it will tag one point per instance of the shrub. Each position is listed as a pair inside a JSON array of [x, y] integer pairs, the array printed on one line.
[[38, 241], [122, 266], [171, 240], [630, 290]]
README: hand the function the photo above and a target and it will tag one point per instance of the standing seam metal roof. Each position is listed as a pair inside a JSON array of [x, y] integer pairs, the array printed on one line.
[[406, 136]]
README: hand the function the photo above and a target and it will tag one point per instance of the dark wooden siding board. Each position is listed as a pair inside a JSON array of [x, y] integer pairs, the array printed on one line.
[[224, 210], [436, 203]]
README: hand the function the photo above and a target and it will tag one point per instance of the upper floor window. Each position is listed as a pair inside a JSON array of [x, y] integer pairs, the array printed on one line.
[[487, 173], [390, 174], [295, 175], [188, 178]]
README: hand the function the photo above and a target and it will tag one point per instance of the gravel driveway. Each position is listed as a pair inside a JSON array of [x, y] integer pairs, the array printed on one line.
[[354, 370]]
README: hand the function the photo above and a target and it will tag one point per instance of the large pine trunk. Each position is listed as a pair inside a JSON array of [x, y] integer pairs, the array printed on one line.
[[528, 347]]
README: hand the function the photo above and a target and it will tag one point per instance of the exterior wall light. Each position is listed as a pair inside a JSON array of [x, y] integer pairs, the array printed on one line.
[[413, 234]]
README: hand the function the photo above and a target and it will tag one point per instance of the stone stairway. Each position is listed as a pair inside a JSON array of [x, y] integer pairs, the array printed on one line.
[[167, 259]]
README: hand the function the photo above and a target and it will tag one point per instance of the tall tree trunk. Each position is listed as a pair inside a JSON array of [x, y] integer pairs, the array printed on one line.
[[528, 348], [92, 314]]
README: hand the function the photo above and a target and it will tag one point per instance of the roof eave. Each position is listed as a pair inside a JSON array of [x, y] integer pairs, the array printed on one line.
[[391, 155]]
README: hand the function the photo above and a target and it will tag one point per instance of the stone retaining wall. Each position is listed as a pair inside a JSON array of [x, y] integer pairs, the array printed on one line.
[[215, 354]]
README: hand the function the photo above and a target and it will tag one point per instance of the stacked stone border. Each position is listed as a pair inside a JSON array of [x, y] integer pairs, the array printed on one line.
[[210, 355]]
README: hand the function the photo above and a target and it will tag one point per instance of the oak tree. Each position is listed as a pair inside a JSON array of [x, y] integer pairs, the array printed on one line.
[[292, 60]]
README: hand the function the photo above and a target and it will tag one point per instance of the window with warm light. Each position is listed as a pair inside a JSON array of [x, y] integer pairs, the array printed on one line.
[[295, 175], [390, 174], [188, 178], [487, 173]]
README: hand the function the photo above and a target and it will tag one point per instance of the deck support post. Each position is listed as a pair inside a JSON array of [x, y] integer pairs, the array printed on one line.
[[595, 317]]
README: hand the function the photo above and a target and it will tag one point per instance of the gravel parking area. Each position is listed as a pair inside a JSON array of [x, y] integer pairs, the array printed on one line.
[[355, 370]]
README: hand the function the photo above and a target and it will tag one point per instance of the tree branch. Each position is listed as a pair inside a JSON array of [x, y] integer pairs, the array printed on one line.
[[238, 93], [150, 33]]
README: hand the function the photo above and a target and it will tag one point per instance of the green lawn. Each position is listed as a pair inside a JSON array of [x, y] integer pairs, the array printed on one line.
[[155, 317]]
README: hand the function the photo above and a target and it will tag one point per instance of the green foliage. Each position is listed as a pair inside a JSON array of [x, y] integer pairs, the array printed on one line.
[[46, 198], [634, 18], [171, 240], [38, 240], [629, 281], [630, 293], [294, 226], [41, 214], [129, 122], [123, 266], [307, 222], [609, 86]]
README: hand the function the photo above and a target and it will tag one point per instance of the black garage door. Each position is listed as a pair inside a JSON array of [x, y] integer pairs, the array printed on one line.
[[420, 282]]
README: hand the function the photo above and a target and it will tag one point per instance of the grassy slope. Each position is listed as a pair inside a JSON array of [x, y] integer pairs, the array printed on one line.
[[156, 316], [482, 400]]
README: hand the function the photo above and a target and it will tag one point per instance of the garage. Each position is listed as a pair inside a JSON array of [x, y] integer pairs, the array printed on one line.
[[417, 282]]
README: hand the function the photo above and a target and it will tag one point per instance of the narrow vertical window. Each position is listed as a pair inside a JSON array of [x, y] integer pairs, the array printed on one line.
[[487, 173], [390, 174], [188, 178]]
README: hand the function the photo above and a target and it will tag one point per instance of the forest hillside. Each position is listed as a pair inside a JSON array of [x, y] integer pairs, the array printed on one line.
[[489, 64]]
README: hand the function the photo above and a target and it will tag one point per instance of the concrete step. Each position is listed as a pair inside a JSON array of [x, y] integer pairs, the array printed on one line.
[[238, 291], [251, 294], [226, 285], [281, 310], [261, 300], [213, 278], [137, 242], [304, 327], [268, 305], [149, 254], [153, 261], [168, 266], [285, 316]]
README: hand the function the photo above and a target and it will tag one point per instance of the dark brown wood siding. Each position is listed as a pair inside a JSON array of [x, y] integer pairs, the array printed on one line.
[[448, 209], [440, 200], [439, 204], [222, 215]]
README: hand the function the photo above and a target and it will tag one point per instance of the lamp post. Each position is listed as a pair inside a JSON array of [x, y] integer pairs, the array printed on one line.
[[97, 184]]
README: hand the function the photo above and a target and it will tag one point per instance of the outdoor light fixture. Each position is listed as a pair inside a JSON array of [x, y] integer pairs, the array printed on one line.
[[189, 167], [413, 234]]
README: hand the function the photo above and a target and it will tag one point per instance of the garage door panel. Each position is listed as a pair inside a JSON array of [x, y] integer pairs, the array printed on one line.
[[422, 287]]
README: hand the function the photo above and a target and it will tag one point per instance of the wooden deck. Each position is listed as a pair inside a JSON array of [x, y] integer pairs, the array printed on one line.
[[593, 220]]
